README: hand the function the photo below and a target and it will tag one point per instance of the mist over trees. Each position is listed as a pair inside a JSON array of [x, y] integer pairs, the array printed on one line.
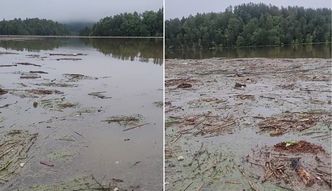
[[250, 25], [149, 23], [33, 26]]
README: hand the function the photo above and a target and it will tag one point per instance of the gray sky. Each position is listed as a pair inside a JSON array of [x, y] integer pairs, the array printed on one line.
[[63, 10], [179, 8]]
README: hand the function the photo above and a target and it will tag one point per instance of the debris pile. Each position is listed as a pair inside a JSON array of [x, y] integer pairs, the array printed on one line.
[[298, 147], [286, 122], [289, 165]]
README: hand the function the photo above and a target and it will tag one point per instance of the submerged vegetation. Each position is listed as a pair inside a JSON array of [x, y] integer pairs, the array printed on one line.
[[250, 25]]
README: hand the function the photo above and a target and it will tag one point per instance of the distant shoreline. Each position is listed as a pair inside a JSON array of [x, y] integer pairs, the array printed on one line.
[[13, 37]]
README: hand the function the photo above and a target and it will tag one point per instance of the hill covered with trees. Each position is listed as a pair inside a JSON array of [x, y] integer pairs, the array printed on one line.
[[149, 23], [33, 26], [250, 25]]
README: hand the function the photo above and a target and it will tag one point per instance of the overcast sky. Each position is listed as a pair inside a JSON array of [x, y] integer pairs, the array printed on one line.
[[180, 8], [64, 10]]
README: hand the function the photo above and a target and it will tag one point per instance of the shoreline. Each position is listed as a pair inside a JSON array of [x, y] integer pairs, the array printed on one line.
[[20, 37]]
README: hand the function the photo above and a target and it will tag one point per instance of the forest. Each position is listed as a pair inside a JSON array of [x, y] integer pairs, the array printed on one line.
[[149, 23], [33, 26], [250, 25]]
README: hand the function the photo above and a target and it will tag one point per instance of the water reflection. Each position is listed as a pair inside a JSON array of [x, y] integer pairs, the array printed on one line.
[[299, 51], [33, 45], [145, 50], [129, 49]]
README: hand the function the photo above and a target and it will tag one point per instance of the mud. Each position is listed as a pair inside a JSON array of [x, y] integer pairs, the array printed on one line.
[[248, 124]]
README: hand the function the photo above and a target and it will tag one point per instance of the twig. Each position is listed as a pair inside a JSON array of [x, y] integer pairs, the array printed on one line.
[[177, 138], [188, 186], [130, 128]]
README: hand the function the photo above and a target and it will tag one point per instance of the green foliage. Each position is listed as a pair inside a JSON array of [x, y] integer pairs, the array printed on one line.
[[149, 23], [32, 27], [250, 25], [75, 28]]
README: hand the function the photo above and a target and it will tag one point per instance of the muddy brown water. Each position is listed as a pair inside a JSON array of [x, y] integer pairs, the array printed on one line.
[[76, 140]]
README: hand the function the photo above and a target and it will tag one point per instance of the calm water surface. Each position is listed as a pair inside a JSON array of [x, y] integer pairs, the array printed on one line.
[[127, 70], [299, 51]]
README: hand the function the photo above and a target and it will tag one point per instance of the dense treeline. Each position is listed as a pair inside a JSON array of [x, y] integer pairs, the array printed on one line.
[[250, 25], [149, 23], [32, 27], [75, 28]]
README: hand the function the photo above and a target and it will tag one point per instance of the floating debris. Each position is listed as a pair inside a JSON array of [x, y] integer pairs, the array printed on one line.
[[57, 104], [281, 124], [2, 91], [239, 85], [158, 104], [99, 95], [53, 84], [79, 183], [177, 82], [213, 101], [35, 104], [7, 65], [28, 64], [29, 76], [38, 72], [44, 91], [282, 169], [125, 120], [246, 97], [77, 77], [180, 158], [60, 155], [305, 176], [72, 59], [14, 148], [184, 85], [33, 55]]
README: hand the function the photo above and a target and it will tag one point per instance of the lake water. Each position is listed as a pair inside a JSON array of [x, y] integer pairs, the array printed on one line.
[[77, 140], [298, 51]]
